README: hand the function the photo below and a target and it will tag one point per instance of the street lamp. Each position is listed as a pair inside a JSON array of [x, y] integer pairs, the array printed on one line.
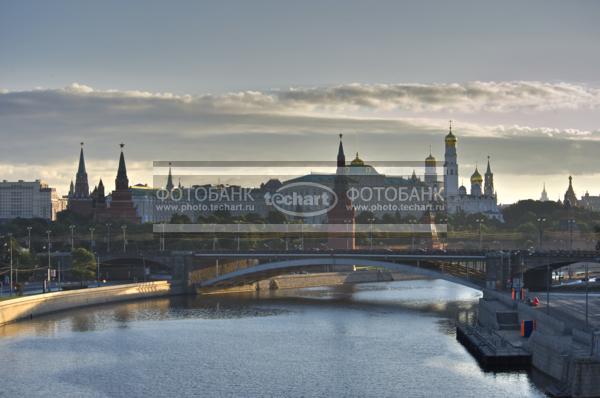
[[412, 243], [287, 234], [587, 292], [47, 281], [72, 228], [444, 242], [541, 221], [97, 270], [10, 243], [371, 220], [29, 239], [301, 234], [162, 238], [214, 243], [124, 229], [480, 221], [237, 222], [108, 237], [92, 229]]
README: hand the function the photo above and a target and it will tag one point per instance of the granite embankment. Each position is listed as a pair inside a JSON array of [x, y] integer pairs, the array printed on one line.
[[31, 306], [568, 355]]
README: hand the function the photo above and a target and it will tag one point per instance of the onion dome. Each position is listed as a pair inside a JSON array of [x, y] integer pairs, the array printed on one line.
[[430, 160], [476, 178], [462, 190], [450, 138], [357, 161]]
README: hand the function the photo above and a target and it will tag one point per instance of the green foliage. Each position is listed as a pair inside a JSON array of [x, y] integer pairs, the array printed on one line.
[[84, 264]]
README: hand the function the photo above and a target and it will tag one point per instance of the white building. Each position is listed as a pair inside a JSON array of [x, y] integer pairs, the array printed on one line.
[[25, 199], [482, 198]]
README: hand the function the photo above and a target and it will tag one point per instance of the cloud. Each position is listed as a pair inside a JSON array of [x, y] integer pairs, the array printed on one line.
[[418, 98], [41, 128]]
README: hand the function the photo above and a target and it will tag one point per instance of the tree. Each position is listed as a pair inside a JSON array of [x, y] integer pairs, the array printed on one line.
[[84, 264]]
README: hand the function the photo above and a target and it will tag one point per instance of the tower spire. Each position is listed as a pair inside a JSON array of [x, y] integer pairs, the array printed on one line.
[[341, 158], [122, 182], [82, 188], [169, 187], [81, 168], [488, 188]]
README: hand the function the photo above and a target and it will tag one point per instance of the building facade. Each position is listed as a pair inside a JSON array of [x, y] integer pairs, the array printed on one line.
[[28, 199]]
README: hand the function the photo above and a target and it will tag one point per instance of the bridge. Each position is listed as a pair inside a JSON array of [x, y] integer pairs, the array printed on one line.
[[476, 269], [465, 270]]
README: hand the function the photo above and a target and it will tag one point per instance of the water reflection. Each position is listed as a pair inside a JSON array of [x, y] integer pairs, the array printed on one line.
[[389, 339]]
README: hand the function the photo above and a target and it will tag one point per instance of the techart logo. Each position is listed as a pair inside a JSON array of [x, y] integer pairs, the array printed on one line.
[[302, 199]]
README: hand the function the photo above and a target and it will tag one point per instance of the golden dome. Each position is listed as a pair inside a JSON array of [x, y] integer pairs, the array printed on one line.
[[357, 161], [476, 178], [430, 160], [450, 138]]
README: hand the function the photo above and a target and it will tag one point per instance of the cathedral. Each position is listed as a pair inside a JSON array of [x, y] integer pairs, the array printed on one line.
[[117, 206], [570, 199]]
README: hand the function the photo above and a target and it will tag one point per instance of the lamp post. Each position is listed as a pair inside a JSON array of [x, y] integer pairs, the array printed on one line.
[[301, 234], [444, 241], [92, 229], [97, 270], [72, 228], [480, 221], [108, 237], [29, 239], [287, 234], [238, 234], [48, 232], [548, 282], [587, 281], [541, 221], [214, 243], [124, 229], [371, 220], [162, 238], [10, 244], [412, 243]]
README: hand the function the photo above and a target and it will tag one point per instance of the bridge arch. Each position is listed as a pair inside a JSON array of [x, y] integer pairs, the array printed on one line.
[[274, 268]]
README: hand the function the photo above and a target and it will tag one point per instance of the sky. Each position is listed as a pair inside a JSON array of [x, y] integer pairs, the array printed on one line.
[[277, 80]]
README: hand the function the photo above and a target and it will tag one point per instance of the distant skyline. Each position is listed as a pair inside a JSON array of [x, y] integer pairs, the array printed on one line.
[[247, 80]]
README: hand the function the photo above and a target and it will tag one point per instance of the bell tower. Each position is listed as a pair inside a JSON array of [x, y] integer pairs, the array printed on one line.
[[450, 166]]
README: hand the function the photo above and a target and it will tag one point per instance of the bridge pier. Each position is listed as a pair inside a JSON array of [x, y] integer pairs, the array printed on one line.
[[494, 271]]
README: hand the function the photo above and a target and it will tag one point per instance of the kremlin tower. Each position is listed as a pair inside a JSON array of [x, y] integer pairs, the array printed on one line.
[[79, 199], [121, 205], [95, 205], [343, 213], [450, 166]]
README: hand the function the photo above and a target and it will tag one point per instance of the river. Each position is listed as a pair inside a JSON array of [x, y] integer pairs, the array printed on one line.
[[393, 339]]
